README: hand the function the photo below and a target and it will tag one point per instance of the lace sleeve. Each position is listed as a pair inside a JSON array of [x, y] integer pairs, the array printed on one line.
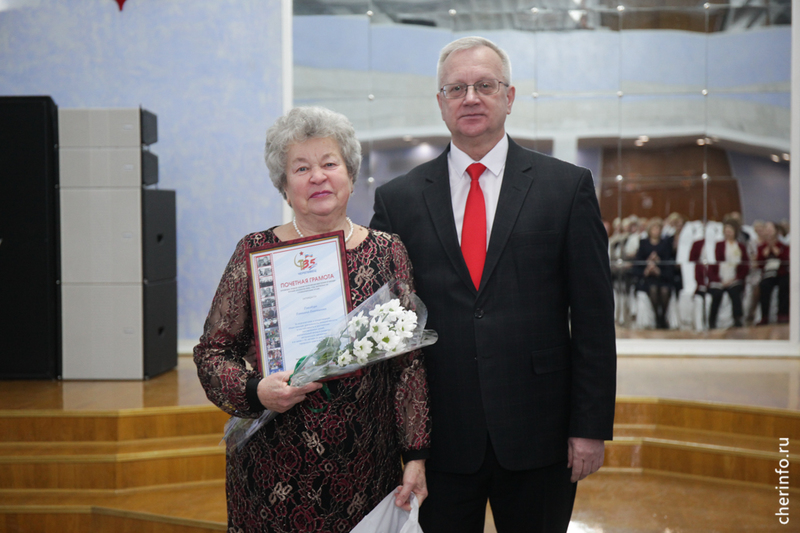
[[227, 337], [411, 395]]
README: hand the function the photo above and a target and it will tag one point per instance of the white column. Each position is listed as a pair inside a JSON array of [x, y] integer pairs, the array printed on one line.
[[287, 72], [794, 188], [566, 149]]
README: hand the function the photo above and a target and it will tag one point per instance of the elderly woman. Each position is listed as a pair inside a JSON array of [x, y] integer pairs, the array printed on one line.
[[315, 469]]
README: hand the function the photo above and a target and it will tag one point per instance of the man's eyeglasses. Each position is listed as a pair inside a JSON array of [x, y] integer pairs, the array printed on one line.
[[452, 91]]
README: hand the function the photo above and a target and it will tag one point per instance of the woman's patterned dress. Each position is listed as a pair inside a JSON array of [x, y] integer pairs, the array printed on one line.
[[308, 471]]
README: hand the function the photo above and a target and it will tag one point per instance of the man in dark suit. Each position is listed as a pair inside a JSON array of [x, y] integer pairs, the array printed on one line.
[[511, 259]]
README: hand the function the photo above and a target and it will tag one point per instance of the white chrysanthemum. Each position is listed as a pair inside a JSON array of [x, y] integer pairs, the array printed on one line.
[[408, 316], [356, 324], [404, 330], [345, 358], [386, 329], [378, 330], [392, 342], [406, 324], [393, 310], [362, 348], [393, 305], [389, 342]]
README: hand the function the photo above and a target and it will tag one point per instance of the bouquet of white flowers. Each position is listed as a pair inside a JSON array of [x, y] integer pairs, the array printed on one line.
[[389, 323]]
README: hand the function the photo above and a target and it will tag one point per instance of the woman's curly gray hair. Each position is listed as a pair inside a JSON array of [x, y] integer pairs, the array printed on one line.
[[304, 123]]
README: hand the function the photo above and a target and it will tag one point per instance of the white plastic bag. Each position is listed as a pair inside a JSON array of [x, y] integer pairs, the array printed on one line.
[[389, 518]]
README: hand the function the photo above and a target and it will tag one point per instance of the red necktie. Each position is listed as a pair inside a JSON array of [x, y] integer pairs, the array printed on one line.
[[473, 232]]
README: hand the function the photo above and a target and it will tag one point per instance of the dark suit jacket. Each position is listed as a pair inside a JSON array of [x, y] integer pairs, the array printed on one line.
[[530, 358]]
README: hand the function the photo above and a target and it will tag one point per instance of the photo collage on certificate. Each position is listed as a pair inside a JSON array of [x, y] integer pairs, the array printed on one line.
[[269, 316], [298, 294]]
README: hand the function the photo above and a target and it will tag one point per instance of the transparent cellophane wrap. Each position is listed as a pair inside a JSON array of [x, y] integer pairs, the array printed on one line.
[[391, 305]]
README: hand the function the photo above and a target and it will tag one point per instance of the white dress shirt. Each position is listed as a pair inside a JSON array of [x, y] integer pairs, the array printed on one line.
[[491, 180]]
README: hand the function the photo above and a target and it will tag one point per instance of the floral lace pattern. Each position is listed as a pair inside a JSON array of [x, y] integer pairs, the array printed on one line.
[[306, 470]]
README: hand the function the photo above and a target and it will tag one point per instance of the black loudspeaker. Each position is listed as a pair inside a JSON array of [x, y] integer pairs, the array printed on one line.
[[160, 326], [159, 246], [148, 122], [30, 306], [160, 288], [149, 168]]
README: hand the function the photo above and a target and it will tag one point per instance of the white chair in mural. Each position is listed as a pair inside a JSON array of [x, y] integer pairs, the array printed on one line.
[[685, 304], [646, 316]]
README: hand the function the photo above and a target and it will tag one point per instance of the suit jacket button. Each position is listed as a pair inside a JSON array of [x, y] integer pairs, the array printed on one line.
[[479, 313]]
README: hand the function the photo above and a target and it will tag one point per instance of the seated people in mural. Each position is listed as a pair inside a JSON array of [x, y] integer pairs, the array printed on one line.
[[626, 248], [773, 260], [753, 280], [728, 273], [619, 268], [673, 226], [615, 240], [783, 231], [741, 235], [631, 245], [654, 270], [698, 258]]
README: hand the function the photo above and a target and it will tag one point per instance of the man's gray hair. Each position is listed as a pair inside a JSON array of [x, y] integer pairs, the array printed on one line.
[[465, 43], [304, 123]]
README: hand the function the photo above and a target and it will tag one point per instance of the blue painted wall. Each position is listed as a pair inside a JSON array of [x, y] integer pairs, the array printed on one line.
[[210, 70]]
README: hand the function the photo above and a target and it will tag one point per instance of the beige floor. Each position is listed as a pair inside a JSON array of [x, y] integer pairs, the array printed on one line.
[[633, 503], [753, 381], [629, 503], [606, 502]]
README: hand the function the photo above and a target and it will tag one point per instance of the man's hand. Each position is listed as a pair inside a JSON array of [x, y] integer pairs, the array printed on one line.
[[413, 481], [584, 457]]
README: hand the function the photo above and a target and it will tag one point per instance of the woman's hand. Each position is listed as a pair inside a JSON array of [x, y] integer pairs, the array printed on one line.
[[413, 481], [275, 393]]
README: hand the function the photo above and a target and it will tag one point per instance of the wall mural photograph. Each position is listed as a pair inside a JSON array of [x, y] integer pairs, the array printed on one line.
[[681, 110]]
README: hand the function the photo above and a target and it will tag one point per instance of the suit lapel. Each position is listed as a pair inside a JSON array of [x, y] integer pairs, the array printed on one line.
[[518, 178], [440, 207]]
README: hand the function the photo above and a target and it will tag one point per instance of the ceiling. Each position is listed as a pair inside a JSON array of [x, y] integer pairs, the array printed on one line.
[[555, 15]]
